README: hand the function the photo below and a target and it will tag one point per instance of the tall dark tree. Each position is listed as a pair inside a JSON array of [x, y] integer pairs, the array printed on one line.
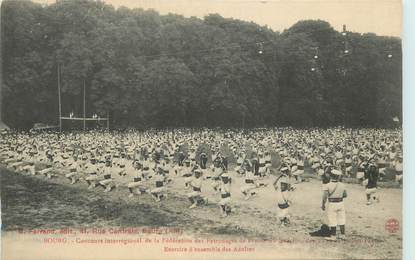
[[151, 70]]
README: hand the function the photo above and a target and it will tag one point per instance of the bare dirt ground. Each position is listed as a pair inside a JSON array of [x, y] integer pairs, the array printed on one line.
[[33, 202]]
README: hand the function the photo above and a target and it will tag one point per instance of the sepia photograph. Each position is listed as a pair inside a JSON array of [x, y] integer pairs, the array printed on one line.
[[201, 129]]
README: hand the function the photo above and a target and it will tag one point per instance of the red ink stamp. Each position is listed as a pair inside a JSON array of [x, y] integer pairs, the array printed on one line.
[[392, 225]]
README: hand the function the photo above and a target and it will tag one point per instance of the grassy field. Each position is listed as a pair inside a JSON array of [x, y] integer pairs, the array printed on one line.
[[29, 203], [32, 202]]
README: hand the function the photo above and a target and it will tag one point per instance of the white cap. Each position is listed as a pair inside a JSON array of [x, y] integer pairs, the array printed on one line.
[[336, 172]]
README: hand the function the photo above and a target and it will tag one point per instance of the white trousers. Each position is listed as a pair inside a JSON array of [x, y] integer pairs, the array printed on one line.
[[336, 214]]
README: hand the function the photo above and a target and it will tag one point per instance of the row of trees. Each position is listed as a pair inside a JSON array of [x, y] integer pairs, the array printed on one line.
[[147, 69]]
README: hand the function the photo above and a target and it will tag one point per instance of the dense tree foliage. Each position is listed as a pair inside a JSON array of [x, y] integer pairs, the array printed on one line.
[[151, 70]]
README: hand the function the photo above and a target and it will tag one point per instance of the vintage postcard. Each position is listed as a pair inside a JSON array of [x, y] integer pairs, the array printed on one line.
[[201, 129]]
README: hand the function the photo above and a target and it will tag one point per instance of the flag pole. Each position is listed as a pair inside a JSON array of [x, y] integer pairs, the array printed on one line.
[[84, 108], [59, 98]]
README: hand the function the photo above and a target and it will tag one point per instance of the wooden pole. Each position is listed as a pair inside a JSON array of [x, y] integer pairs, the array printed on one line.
[[59, 98], [2, 125], [84, 108]]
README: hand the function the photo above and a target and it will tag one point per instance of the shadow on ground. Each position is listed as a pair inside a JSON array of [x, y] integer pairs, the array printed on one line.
[[31, 203]]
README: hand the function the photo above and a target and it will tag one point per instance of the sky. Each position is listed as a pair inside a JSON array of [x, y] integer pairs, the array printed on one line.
[[383, 17]]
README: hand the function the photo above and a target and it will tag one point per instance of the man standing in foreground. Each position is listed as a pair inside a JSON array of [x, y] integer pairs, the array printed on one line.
[[283, 187], [371, 180], [334, 192]]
